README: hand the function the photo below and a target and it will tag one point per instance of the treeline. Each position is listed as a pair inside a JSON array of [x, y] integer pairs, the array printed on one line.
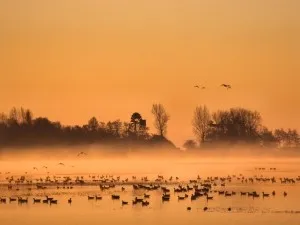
[[237, 126], [20, 128]]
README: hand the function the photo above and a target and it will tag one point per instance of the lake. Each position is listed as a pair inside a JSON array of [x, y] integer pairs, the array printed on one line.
[[278, 209]]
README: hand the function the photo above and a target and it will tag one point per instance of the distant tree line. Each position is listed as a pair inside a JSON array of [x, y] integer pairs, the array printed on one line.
[[237, 126], [20, 128]]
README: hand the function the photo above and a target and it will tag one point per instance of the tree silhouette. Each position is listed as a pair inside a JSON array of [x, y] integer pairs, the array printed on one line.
[[135, 120], [161, 118], [93, 124], [201, 123], [236, 124]]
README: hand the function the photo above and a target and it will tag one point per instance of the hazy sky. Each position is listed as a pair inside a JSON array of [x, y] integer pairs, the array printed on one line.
[[70, 60]]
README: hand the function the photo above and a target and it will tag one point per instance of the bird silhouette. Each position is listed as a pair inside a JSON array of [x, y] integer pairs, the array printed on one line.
[[45, 167], [81, 153], [196, 86], [34, 168], [228, 86], [60, 164]]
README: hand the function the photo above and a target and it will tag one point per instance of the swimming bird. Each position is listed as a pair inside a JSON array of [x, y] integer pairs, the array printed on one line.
[[124, 203], [188, 208], [70, 200], [35, 200]]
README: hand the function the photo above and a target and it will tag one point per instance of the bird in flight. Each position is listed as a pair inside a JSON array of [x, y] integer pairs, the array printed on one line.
[[45, 167], [81, 153], [197, 86], [34, 168], [226, 86], [60, 164]]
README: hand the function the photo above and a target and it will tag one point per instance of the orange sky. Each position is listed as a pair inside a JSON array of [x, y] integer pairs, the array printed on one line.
[[70, 60]]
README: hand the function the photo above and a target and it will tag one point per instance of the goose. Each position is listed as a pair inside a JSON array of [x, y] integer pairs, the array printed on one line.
[[12, 199], [265, 195], [115, 197], [53, 201], [284, 194], [81, 153], [205, 208], [124, 203], [145, 203], [146, 196], [226, 86], [98, 197], [209, 198], [189, 208], [91, 197], [35, 200], [181, 197], [70, 200]]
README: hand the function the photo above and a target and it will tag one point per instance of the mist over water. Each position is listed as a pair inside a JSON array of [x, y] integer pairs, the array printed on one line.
[[121, 162]]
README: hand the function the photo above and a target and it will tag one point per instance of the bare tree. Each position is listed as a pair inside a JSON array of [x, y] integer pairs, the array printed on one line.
[[161, 118], [201, 123]]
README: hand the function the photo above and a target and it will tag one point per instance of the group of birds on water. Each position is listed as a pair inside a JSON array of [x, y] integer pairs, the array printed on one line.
[[227, 86], [206, 188]]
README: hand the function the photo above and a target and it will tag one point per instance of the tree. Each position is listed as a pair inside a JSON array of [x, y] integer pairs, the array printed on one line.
[[236, 124], [135, 120], [289, 138], [93, 124], [161, 118], [190, 144], [201, 123]]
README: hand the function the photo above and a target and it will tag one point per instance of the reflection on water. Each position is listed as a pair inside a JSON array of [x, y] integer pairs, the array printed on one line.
[[233, 209]]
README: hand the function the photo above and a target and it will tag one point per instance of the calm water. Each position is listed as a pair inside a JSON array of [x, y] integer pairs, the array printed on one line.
[[245, 210]]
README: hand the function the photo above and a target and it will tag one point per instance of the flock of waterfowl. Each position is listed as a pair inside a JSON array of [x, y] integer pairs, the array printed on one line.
[[169, 188]]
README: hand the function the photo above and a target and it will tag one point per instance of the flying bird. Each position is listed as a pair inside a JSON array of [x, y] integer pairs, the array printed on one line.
[[196, 86], [60, 164], [226, 86], [81, 153], [34, 168], [45, 167]]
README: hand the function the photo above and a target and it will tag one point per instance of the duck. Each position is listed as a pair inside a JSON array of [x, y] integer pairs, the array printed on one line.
[[35, 200], [265, 195], [98, 197], [145, 203], [146, 196]]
